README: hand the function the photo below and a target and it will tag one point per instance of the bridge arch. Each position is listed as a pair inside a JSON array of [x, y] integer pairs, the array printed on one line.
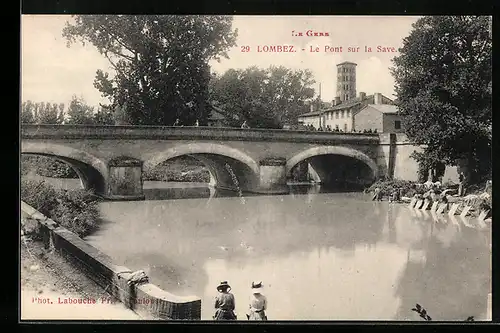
[[221, 160], [332, 150], [91, 170]]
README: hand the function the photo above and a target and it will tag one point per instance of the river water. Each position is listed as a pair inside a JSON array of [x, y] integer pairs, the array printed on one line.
[[321, 256]]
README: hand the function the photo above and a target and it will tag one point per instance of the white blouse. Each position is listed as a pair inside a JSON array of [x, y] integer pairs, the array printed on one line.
[[258, 302]]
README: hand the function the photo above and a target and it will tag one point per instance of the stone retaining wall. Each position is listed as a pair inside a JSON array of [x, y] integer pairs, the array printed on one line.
[[147, 300]]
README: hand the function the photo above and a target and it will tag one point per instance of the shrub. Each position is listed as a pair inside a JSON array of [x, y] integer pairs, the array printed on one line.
[[75, 210], [180, 169], [46, 166], [387, 187]]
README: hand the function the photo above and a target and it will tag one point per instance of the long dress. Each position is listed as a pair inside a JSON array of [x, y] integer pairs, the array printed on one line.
[[257, 307], [224, 305]]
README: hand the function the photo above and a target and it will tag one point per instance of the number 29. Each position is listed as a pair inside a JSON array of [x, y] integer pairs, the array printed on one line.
[[245, 49]]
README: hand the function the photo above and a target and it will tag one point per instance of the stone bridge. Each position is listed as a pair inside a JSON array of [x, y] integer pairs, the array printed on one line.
[[110, 159]]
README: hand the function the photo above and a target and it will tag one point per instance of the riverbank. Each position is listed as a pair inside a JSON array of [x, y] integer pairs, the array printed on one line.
[[76, 210], [46, 275], [478, 195], [180, 169]]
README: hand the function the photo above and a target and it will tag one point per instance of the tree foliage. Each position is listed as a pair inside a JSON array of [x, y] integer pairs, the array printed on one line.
[[443, 81], [266, 98], [104, 116], [160, 62], [79, 112], [42, 113]]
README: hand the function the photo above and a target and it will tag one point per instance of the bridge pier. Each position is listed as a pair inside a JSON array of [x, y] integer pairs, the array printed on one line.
[[125, 179], [272, 178]]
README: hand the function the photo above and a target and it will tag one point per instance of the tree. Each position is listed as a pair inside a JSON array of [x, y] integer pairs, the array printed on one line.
[[266, 98], [443, 81], [42, 113], [49, 113], [104, 116], [28, 115], [160, 62], [79, 112]]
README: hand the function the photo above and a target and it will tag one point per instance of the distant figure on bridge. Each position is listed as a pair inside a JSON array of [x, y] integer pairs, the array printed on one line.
[[177, 122], [224, 303], [258, 303], [197, 123], [245, 125]]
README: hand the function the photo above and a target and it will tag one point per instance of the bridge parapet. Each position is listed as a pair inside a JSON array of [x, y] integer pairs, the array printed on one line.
[[29, 131]]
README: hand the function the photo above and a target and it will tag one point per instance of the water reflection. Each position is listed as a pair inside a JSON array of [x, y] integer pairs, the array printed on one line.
[[449, 272], [157, 190], [375, 260]]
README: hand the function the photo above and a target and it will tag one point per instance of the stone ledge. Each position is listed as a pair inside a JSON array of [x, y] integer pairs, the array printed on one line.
[[67, 132], [273, 161], [124, 161], [147, 299], [124, 197]]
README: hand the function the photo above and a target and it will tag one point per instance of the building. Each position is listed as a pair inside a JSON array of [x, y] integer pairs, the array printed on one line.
[[346, 81], [342, 115], [310, 119], [378, 117]]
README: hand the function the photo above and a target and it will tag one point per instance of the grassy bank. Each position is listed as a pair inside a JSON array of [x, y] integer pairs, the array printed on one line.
[[181, 169], [387, 187], [46, 166], [75, 210]]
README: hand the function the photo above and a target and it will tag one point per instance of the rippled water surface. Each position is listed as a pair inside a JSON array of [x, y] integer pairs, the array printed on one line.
[[320, 255]]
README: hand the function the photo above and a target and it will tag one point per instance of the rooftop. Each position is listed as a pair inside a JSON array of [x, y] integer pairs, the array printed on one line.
[[309, 114], [347, 63], [348, 103], [384, 108]]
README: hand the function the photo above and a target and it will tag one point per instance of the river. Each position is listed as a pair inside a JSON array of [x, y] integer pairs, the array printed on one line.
[[321, 256]]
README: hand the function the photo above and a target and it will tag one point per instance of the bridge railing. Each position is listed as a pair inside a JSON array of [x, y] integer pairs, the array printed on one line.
[[30, 131]]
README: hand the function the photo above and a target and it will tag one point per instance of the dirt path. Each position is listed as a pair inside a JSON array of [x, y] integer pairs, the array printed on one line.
[[49, 282]]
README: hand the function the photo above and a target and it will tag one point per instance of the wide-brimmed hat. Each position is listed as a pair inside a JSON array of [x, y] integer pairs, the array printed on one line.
[[257, 287], [223, 285]]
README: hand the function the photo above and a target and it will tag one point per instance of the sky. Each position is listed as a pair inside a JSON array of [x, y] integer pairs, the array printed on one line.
[[53, 72]]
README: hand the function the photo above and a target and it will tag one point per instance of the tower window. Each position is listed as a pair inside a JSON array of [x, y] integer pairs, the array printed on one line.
[[397, 124], [346, 97], [337, 115]]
